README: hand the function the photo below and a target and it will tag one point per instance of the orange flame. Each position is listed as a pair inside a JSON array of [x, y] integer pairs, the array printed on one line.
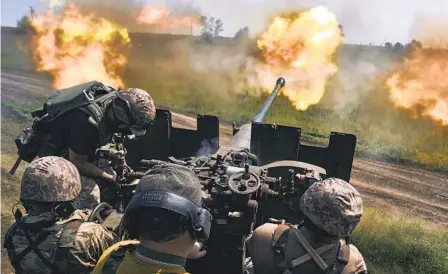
[[76, 48], [162, 18], [421, 84], [300, 47]]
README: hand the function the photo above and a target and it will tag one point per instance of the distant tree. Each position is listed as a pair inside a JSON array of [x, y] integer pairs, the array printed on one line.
[[211, 28], [398, 47], [241, 35], [24, 24], [416, 43], [207, 29], [206, 26], [218, 27], [388, 46]]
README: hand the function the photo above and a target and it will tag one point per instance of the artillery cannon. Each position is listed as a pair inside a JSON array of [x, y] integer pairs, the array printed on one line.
[[260, 174]]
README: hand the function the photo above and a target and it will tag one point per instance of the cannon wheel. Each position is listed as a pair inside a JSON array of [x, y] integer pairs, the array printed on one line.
[[96, 213]]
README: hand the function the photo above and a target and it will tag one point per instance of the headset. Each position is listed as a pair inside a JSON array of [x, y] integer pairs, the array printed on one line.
[[122, 110], [200, 218]]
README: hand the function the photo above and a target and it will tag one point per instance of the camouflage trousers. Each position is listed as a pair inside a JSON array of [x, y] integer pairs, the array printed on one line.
[[92, 190]]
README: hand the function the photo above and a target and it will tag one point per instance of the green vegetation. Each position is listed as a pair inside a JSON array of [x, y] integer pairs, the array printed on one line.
[[390, 244], [395, 244]]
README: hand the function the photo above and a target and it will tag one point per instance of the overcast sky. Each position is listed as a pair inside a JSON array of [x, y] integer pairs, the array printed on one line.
[[364, 21]]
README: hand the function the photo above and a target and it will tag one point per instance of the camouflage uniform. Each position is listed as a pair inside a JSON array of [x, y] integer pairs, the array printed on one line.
[[144, 111], [44, 241], [334, 207]]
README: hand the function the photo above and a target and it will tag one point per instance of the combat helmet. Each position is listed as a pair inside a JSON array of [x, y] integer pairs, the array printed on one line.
[[135, 108], [333, 205], [50, 179]]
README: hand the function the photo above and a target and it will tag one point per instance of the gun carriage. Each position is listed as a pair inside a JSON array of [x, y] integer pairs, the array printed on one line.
[[260, 174]]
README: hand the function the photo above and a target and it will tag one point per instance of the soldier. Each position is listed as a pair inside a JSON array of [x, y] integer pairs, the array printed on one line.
[[82, 118], [167, 218], [332, 209], [53, 237]]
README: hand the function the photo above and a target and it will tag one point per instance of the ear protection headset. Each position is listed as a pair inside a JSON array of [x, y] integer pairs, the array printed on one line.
[[122, 110], [200, 218]]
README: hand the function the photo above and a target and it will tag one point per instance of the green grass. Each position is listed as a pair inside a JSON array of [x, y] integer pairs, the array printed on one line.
[[395, 244]]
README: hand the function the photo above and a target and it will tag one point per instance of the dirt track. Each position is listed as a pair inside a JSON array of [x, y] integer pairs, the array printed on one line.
[[407, 189]]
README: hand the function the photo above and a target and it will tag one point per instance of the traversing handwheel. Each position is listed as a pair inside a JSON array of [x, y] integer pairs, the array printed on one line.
[[96, 213]]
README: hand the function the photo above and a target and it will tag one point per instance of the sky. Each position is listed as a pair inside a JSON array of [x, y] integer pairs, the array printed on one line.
[[364, 21]]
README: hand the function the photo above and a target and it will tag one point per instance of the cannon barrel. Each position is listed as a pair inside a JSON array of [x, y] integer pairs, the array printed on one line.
[[242, 138], [267, 104]]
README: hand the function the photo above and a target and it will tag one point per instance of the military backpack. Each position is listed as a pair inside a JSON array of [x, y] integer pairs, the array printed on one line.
[[91, 98]]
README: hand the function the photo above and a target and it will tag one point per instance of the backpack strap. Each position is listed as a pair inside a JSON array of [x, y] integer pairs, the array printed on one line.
[[279, 245], [310, 250], [304, 258], [66, 241], [32, 245], [91, 103], [95, 108]]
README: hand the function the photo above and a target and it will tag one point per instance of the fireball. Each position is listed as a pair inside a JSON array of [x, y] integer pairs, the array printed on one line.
[[300, 47], [421, 84], [76, 48]]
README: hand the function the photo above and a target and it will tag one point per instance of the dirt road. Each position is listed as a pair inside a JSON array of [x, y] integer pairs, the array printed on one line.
[[383, 185]]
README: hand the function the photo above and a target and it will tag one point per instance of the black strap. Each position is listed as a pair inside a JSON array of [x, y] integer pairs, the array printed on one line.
[[310, 250], [33, 246], [64, 244], [85, 106], [15, 262]]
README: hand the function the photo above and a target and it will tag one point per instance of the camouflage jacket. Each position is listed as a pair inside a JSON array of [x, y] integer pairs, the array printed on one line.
[[273, 252], [84, 245]]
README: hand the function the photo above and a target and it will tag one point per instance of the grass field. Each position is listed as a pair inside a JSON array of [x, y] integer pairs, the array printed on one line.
[[391, 243]]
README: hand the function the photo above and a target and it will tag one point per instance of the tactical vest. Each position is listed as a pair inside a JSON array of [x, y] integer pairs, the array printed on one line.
[[47, 249], [287, 237], [91, 98]]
